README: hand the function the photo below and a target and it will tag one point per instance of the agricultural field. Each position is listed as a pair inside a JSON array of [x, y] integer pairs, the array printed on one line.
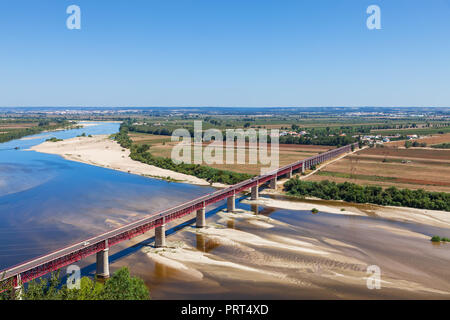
[[162, 146], [429, 140], [420, 168], [11, 129], [418, 131]]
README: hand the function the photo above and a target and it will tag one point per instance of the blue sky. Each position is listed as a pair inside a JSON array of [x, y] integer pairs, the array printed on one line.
[[224, 53]]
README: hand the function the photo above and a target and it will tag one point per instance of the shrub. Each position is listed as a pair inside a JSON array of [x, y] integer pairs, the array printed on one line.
[[436, 239], [54, 139]]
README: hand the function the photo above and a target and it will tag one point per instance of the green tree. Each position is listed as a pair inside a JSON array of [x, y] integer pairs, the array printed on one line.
[[122, 286]]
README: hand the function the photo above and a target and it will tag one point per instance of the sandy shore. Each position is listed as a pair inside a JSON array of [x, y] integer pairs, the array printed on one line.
[[101, 151], [423, 216], [304, 266]]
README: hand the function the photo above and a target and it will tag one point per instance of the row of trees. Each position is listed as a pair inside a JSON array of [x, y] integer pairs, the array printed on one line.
[[121, 286], [322, 140], [415, 144], [352, 192], [441, 146]]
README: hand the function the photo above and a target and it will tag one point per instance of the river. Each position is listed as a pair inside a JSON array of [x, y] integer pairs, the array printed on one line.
[[47, 202]]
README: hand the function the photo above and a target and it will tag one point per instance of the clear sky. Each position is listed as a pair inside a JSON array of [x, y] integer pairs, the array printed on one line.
[[224, 53]]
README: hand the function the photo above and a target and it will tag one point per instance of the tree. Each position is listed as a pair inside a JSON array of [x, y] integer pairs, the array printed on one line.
[[123, 287]]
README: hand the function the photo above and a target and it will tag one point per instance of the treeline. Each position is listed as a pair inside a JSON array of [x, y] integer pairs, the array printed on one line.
[[121, 286], [323, 140], [441, 146], [13, 134], [415, 144], [351, 192], [317, 137], [141, 153]]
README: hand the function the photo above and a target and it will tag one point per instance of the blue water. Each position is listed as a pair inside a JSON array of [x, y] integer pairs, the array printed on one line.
[[47, 202]]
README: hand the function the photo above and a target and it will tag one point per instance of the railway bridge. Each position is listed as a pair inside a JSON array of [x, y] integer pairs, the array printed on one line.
[[100, 244]]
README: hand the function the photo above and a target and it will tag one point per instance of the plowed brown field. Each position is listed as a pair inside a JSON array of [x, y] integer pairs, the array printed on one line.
[[428, 169]]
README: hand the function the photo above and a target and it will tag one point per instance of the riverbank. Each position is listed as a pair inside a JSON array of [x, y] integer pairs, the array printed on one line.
[[100, 150], [404, 214]]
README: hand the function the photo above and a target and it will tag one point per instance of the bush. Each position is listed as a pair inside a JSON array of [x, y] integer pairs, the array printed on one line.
[[314, 210], [54, 139], [436, 239]]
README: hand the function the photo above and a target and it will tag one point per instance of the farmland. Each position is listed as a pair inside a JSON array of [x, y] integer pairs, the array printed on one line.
[[162, 147], [412, 168], [429, 140], [17, 128]]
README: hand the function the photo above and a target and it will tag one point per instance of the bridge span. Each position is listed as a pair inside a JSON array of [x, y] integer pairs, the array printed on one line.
[[100, 244]]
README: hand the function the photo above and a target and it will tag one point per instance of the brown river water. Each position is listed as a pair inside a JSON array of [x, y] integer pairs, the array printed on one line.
[[291, 254]]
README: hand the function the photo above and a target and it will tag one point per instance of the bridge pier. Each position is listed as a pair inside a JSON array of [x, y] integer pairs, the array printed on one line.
[[201, 219], [103, 263], [255, 208], [160, 236], [231, 203], [17, 290], [255, 193], [303, 167], [273, 183], [289, 174]]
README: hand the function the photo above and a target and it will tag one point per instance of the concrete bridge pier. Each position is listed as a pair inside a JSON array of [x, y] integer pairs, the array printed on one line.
[[303, 167], [255, 209], [255, 193], [17, 290], [231, 203], [289, 174], [103, 263], [273, 183], [160, 236], [201, 219]]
